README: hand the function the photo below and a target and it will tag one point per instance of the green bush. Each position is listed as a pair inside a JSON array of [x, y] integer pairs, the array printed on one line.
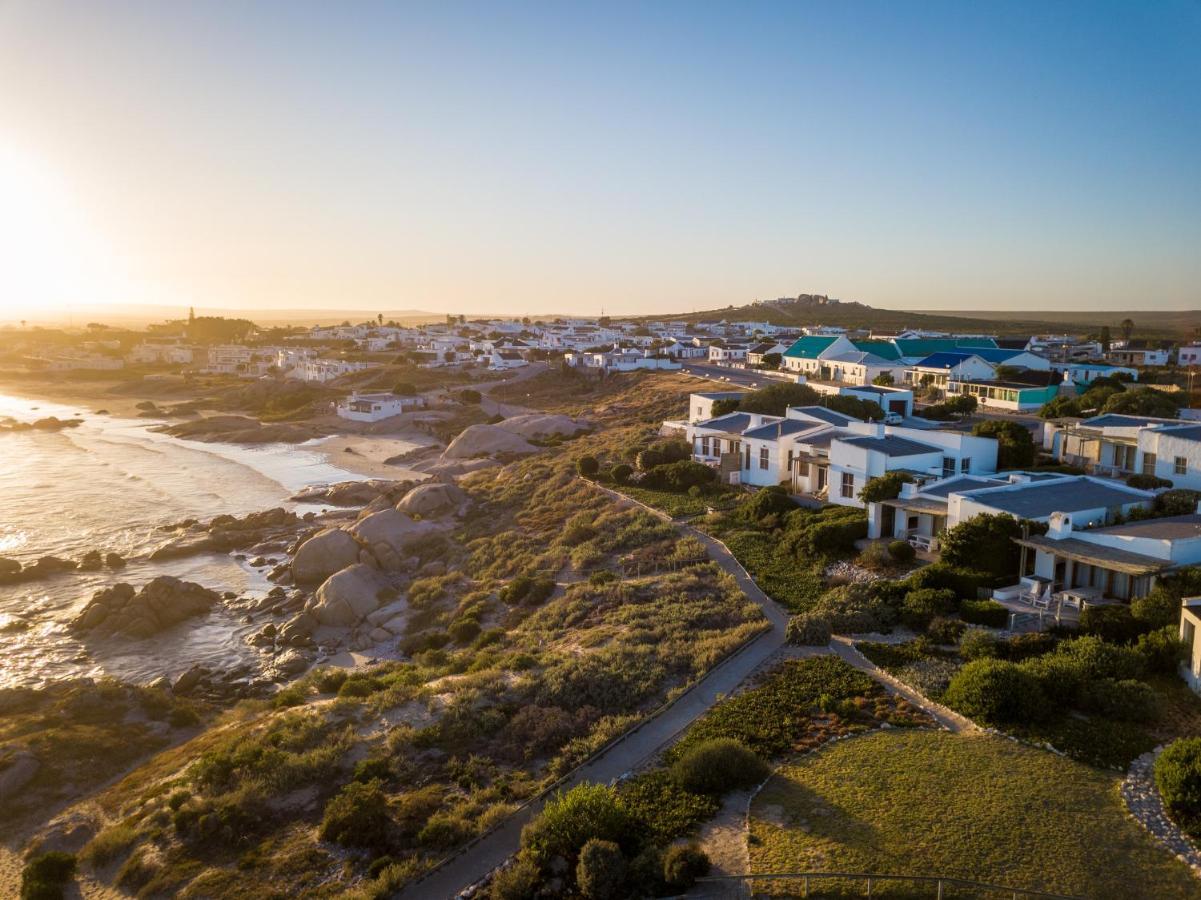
[[1158, 609], [667, 809], [989, 613], [601, 871], [45, 876], [1128, 700], [995, 692], [1178, 777], [809, 630], [570, 820], [1162, 650], [978, 643], [1015, 443], [922, 605], [856, 609], [621, 473], [529, 590], [683, 865], [464, 631], [716, 766], [901, 551], [1024, 646], [884, 487], [964, 582], [662, 453], [1111, 623], [588, 466], [357, 816], [986, 541], [679, 476], [516, 882], [766, 502], [943, 630], [445, 830]]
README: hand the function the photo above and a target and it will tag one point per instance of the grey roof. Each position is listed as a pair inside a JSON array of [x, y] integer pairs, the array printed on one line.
[[859, 357], [720, 395], [773, 430], [825, 415], [734, 423], [891, 446], [1185, 433], [958, 486], [1170, 528], [1117, 420], [1096, 554], [1040, 499]]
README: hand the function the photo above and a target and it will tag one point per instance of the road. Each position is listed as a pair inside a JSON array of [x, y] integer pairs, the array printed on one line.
[[734, 377]]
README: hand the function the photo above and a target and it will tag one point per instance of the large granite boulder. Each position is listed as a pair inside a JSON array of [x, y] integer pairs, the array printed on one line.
[[323, 554], [347, 597], [433, 500], [389, 535], [539, 425], [161, 603], [487, 440]]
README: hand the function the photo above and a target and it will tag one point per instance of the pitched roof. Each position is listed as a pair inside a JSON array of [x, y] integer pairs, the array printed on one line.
[[1169, 528], [1039, 499], [810, 346], [825, 415], [858, 357], [1118, 420], [732, 423], [891, 445], [773, 430], [945, 359], [884, 349], [925, 346]]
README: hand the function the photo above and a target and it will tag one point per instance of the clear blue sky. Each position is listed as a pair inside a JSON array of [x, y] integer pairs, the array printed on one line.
[[644, 157]]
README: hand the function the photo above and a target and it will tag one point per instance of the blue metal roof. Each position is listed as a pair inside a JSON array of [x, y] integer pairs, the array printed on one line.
[[946, 359]]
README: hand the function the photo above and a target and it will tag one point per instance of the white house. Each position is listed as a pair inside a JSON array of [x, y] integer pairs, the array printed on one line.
[[727, 354], [1120, 445], [506, 359], [375, 407], [940, 368], [1138, 355], [888, 398], [1189, 355], [322, 370], [700, 406], [1172, 452]]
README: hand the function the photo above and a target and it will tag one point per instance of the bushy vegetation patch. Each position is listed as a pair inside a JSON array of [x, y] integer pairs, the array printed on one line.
[[45, 877], [716, 766], [1178, 777]]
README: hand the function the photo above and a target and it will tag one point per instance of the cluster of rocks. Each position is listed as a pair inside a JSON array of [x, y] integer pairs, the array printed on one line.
[[50, 423], [1146, 805], [240, 430], [261, 532], [357, 569], [217, 685], [355, 493], [11, 571], [844, 572], [161, 603]]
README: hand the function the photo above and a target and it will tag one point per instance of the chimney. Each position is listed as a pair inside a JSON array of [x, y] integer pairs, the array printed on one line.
[[908, 489], [1060, 526]]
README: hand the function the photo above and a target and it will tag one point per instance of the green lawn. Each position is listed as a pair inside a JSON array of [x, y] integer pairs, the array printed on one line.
[[967, 806]]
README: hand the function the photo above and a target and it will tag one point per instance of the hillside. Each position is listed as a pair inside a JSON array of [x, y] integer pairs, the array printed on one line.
[[810, 309]]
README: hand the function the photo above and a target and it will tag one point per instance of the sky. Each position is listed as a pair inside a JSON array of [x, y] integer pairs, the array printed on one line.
[[574, 158]]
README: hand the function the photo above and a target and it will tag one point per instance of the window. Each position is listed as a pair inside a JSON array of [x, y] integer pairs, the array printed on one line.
[[763, 457], [948, 466], [1181, 467], [1148, 463], [790, 453], [700, 412], [704, 446], [965, 464], [747, 464], [848, 484]]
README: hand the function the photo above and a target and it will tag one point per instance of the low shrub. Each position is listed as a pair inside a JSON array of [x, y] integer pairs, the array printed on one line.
[[856, 609], [1111, 623], [978, 643], [942, 630], [1147, 482], [529, 590], [876, 557], [716, 766], [601, 871], [464, 631], [679, 476], [357, 816], [588, 466], [46, 876], [809, 630], [964, 582], [115, 841], [1178, 777], [683, 864], [621, 473], [989, 613], [902, 551], [516, 882], [922, 605], [1129, 700], [445, 830], [1162, 650], [668, 810], [996, 691], [570, 820], [328, 680]]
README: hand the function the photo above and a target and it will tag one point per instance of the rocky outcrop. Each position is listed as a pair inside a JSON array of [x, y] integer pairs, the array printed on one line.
[[347, 597], [240, 430], [389, 534], [492, 441], [163, 602], [434, 499], [354, 493], [50, 423], [541, 425], [323, 554], [226, 533]]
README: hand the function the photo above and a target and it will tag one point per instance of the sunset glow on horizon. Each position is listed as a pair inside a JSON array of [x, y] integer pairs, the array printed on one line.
[[572, 159]]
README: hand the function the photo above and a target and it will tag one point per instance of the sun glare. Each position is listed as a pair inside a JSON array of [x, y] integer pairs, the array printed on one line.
[[49, 259]]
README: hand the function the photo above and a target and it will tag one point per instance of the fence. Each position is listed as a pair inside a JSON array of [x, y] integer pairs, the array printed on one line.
[[862, 884]]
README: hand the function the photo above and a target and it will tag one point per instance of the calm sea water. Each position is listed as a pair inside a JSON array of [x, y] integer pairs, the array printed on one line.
[[108, 485]]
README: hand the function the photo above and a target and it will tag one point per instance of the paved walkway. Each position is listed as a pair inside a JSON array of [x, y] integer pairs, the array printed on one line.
[[476, 860]]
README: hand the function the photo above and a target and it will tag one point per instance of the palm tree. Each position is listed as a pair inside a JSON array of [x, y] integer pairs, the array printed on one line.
[[1127, 327]]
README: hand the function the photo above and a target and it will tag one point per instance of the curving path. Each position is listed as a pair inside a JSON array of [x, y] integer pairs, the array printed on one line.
[[477, 860]]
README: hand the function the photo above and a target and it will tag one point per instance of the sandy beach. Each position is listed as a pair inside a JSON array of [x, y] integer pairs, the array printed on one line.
[[366, 454]]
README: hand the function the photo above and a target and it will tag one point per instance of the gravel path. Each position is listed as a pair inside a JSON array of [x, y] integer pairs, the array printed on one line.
[[1143, 801]]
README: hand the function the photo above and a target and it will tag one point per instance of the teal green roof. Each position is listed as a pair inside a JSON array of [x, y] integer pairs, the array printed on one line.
[[809, 347], [928, 346], [884, 349]]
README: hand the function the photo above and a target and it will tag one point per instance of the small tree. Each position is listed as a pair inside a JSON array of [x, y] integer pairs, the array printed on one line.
[[884, 379], [1142, 402], [996, 691], [986, 543], [884, 487], [571, 820], [404, 389], [683, 865], [588, 466], [716, 766], [1015, 444], [601, 871], [357, 816], [1178, 777]]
